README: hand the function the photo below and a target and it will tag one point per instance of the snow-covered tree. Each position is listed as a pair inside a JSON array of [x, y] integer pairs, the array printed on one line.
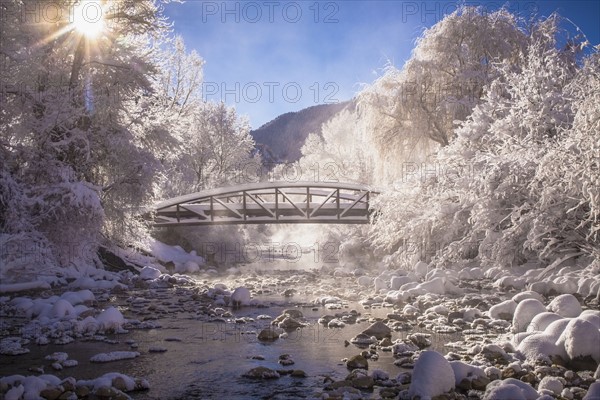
[[77, 165], [216, 150], [515, 184], [443, 80]]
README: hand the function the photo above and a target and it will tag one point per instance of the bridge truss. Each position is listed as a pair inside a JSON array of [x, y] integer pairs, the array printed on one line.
[[269, 203]]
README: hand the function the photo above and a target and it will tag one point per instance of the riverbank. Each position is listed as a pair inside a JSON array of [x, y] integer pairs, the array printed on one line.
[[179, 337]]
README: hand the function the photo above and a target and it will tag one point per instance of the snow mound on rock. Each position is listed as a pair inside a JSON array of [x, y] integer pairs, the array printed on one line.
[[432, 376], [525, 312], [581, 338], [110, 319], [241, 297], [510, 389], [565, 305]]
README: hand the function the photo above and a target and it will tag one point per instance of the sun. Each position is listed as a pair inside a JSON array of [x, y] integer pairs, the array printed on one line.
[[88, 18]]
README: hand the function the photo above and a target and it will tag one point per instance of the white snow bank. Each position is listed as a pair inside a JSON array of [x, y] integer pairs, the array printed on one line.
[[432, 376]]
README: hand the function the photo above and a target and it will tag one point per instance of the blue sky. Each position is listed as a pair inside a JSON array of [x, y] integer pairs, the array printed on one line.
[[271, 57]]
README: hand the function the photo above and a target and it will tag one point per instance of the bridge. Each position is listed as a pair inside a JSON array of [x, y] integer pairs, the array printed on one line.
[[269, 203]]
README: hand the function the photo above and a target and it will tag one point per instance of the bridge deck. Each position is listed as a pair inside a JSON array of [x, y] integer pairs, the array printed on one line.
[[268, 203]]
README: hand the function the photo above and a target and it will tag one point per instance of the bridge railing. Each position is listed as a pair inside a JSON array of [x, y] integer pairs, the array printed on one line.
[[268, 203]]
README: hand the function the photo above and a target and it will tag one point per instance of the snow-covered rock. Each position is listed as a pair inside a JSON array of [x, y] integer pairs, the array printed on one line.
[[510, 389], [465, 371], [593, 392], [503, 310], [378, 329], [397, 281], [148, 273], [565, 305], [528, 294], [241, 297], [550, 385], [541, 321], [364, 281], [581, 338], [421, 269], [526, 310], [61, 309], [540, 346], [432, 376], [436, 285], [110, 319], [114, 356]]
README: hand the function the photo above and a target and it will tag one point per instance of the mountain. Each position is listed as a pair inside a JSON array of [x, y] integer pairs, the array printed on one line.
[[280, 140]]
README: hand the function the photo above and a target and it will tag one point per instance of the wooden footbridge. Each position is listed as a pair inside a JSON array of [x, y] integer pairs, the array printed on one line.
[[269, 203]]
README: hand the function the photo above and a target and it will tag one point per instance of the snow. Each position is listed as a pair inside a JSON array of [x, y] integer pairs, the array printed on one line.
[[184, 261], [526, 310], [540, 345], [380, 375], [550, 385], [420, 269], [510, 389], [379, 284], [432, 376], [62, 308], [465, 371], [108, 379], [110, 319], [15, 393], [581, 338], [528, 294], [29, 387], [148, 273], [593, 392], [504, 309], [365, 281], [541, 321], [591, 316], [241, 297], [565, 305], [511, 282], [19, 287], [435, 285], [396, 282], [114, 356]]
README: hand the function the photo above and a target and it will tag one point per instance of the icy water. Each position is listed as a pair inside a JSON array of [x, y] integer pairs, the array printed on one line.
[[206, 359]]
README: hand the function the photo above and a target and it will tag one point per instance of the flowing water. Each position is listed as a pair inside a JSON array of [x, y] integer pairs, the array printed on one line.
[[206, 359]]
